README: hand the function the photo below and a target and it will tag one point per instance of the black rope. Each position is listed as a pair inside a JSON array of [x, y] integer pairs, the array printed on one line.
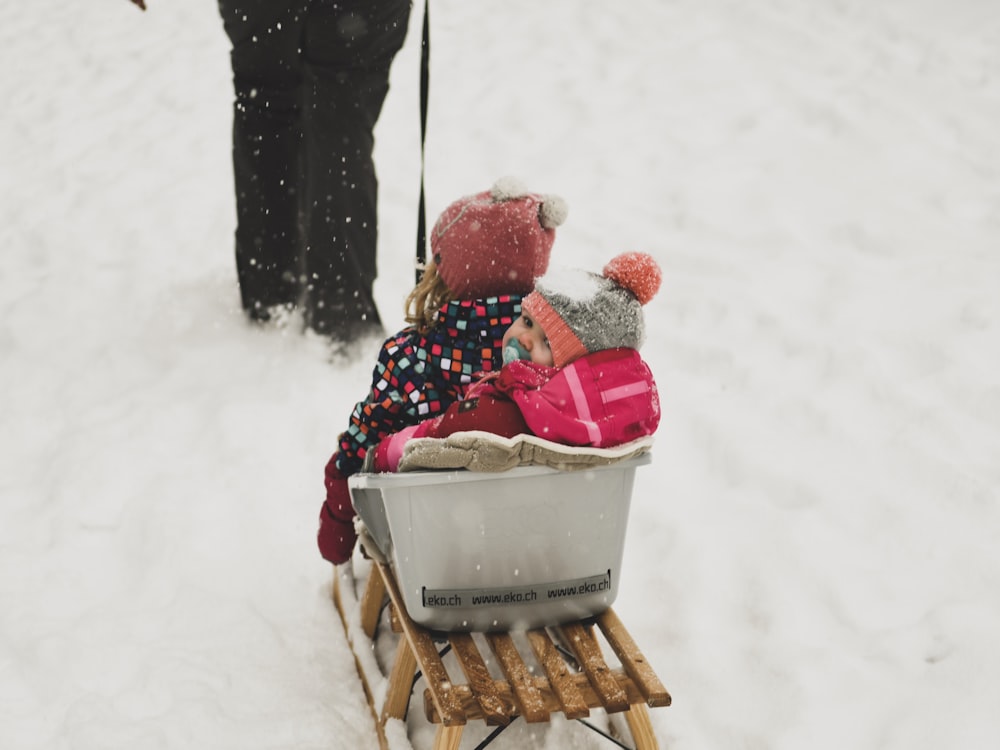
[[425, 59], [567, 654], [492, 736], [604, 734]]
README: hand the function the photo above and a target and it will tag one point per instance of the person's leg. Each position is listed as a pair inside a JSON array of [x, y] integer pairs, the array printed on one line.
[[266, 37], [347, 51]]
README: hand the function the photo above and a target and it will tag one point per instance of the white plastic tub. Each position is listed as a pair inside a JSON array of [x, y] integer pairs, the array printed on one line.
[[499, 551]]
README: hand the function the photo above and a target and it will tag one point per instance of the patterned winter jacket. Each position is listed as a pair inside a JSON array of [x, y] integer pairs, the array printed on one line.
[[418, 376]]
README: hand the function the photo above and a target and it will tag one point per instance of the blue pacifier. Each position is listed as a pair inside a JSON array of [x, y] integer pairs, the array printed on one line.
[[514, 351]]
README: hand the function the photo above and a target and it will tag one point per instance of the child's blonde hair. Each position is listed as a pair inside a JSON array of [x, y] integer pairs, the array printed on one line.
[[426, 298]]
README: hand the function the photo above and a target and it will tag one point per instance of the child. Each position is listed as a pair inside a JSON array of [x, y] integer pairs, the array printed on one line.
[[572, 374], [486, 251]]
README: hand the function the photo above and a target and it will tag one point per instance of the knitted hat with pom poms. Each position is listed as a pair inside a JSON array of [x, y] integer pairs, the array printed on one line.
[[497, 241], [583, 312]]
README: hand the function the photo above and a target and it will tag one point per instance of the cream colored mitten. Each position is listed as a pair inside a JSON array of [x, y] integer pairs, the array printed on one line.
[[536, 451], [476, 451], [486, 452]]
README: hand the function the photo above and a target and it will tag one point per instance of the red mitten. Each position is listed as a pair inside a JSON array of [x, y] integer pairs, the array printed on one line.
[[336, 534]]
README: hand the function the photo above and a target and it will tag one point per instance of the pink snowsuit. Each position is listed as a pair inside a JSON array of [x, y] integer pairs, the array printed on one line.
[[600, 400]]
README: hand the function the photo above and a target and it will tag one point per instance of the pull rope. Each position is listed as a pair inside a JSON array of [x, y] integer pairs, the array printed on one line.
[[425, 58]]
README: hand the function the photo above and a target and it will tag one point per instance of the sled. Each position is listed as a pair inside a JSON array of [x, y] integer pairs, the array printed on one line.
[[492, 643]]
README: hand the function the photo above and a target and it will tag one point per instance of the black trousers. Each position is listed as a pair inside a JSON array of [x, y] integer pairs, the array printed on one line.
[[310, 77]]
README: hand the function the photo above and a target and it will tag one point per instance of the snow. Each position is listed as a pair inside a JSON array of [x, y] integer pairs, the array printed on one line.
[[812, 557], [575, 284]]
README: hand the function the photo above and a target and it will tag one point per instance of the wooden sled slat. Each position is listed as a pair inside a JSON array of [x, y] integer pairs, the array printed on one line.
[[530, 703], [632, 660], [560, 676], [480, 682], [551, 701], [588, 653]]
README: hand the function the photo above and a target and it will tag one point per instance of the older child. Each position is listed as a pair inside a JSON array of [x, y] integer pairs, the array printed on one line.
[[572, 372], [486, 251]]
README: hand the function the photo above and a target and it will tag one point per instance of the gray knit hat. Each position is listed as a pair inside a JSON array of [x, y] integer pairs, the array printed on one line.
[[583, 312]]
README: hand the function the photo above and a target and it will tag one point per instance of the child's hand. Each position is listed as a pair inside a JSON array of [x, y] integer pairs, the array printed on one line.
[[523, 375]]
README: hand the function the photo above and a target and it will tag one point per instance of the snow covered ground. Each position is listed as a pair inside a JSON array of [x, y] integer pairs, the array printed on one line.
[[814, 555]]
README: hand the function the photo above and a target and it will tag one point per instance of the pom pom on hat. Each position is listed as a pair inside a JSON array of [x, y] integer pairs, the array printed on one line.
[[583, 312], [553, 211], [639, 273], [508, 188]]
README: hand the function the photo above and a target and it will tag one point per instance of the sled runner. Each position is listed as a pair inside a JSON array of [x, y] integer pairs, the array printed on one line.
[[498, 589]]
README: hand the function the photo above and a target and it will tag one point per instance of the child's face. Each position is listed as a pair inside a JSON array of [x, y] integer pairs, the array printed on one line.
[[532, 339]]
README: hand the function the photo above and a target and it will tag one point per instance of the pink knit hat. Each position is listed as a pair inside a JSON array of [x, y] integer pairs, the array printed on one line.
[[582, 312], [496, 242]]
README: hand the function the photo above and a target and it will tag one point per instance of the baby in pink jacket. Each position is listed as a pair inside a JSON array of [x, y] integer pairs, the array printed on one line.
[[572, 373]]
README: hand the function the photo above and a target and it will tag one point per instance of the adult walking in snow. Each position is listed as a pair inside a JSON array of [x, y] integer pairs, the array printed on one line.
[[310, 78]]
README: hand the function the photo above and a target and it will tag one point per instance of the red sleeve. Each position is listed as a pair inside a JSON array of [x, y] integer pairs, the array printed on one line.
[[488, 412]]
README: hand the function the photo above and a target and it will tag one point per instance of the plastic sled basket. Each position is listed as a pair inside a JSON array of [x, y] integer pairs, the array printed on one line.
[[515, 550]]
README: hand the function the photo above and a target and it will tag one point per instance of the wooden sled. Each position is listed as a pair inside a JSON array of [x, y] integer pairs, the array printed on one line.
[[570, 676], [499, 590]]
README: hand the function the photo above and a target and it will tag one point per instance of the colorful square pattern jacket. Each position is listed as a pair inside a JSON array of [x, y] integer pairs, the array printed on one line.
[[418, 376]]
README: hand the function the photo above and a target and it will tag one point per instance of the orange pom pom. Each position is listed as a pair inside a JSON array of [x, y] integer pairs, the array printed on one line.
[[639, 273]]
